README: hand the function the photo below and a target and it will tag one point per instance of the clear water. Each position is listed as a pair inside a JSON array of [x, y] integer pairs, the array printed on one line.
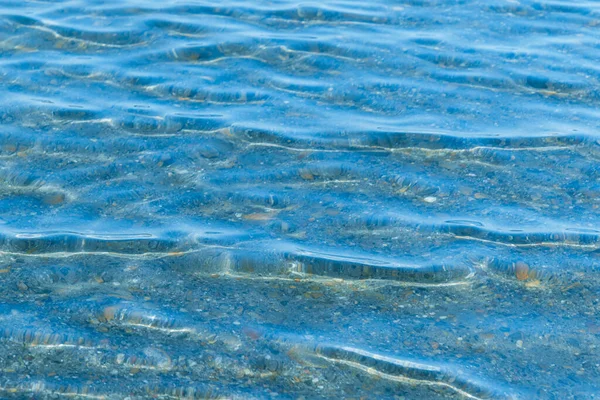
[[272, 199]]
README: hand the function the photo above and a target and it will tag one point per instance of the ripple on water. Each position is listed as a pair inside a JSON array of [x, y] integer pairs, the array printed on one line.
[[183, 183]]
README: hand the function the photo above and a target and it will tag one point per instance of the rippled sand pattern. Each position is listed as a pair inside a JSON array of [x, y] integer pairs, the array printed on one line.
[[270, 199]]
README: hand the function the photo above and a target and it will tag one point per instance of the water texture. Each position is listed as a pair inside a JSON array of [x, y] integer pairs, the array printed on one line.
[[272, 199]]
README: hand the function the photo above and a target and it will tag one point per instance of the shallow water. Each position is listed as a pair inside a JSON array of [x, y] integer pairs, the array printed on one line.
[[271, 199]]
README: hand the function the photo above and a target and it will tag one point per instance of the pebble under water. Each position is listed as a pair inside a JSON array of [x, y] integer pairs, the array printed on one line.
[[278, 200]]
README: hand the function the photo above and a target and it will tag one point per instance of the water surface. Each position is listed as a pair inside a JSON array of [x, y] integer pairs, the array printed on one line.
[[273, 199]]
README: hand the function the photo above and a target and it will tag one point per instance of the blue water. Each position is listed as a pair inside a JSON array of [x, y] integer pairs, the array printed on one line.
[[272, 199]]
